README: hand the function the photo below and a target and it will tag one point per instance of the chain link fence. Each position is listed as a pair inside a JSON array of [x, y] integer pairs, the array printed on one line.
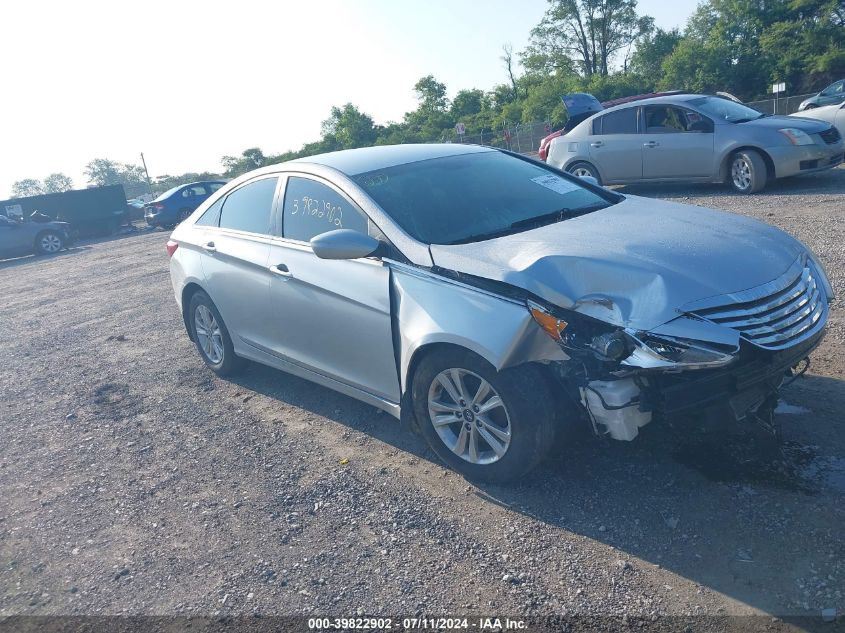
[[517, 137], [781, 105]]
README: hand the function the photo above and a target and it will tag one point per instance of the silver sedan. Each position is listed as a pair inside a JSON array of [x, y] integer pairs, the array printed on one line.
[[695, 138], [494, 303]]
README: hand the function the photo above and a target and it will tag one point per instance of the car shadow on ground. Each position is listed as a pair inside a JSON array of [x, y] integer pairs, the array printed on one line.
[[724, 512], [829, 182]]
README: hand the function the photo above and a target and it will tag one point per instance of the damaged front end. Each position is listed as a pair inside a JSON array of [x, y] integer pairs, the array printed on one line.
[[721, 361]]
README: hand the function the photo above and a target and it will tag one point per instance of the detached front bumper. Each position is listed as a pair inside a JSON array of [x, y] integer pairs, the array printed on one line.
[[806, 159]]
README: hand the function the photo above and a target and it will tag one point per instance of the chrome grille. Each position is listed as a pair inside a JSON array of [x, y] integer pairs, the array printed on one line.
[[830, 135], [775, 315]]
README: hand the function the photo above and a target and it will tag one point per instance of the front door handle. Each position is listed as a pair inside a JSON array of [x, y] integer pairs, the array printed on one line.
[[651, 144], [596, 143], [209, 247], [281, 270]]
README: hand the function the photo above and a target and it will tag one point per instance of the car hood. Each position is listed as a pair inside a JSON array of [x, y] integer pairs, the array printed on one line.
[[810, 126], [633, 264]]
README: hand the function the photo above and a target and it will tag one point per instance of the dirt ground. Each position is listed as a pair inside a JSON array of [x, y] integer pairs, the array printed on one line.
[[133, 481]]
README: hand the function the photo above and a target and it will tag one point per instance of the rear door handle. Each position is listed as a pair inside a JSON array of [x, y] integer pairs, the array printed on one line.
[[209, 247], [281, 270], [596, 143], [651, 144]]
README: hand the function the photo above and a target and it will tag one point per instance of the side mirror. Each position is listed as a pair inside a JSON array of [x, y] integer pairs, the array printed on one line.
[[701, 126], [344, 244], [590, 180]]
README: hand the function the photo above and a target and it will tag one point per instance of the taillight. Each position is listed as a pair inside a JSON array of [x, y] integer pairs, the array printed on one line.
[[171, 247], [158, 207]]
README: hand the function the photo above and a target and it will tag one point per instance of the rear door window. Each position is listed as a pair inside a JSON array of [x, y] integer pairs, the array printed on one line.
[[250, 207], [618, 122], [312, 208], [194, 191]]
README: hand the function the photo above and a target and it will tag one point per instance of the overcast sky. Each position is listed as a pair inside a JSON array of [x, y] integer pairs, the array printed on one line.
[[186, 82]]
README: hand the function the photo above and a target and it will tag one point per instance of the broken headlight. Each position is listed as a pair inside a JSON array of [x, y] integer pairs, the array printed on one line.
[[585, 335], [663, 352]]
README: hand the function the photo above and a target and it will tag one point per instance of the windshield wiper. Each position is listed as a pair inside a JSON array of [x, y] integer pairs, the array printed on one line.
[[746, 120], [533, 223]]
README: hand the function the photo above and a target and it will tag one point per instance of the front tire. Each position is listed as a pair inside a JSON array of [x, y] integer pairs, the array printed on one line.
[[49, 243], [584, 169], [212, 337], [747, 172], [490, 426]]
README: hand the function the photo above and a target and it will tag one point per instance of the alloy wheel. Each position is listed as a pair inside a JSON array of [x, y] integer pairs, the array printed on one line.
[[208, 334], [580, 172], [469, 416], [50, 243], [741, 173]]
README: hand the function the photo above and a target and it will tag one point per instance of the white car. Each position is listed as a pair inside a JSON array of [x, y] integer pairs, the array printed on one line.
[[833, 114]]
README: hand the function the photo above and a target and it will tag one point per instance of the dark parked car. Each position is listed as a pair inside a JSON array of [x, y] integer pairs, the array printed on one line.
[[23, 238], [834, 93], [176, 204]]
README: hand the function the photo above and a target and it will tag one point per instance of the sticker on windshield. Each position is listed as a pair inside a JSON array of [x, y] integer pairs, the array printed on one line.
[[555, 183]]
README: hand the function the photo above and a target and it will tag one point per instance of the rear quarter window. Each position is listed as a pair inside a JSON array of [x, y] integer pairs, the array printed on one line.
[[619, 122]]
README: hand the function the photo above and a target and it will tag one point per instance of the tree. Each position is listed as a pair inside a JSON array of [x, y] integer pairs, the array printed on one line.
[[507, 60], [250, 159], [349, 127], [652, 49], [58, 182], [102, 172], [431, 94], [467, 103], [27, 187], [590, 33]]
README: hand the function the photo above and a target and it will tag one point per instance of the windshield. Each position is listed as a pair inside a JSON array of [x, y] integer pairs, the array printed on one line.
[[477, 196], [724, 109]]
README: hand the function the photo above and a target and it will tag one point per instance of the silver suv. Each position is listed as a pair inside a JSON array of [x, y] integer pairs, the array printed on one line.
[[695, 138]]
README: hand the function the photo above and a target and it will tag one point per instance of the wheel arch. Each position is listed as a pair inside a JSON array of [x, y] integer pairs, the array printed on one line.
[[724, 170], [190, 289], [42, 233], [570, 163]]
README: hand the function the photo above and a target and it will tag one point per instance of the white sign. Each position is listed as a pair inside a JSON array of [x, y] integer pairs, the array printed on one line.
[[461, 129], [555, 183], [781, 87]]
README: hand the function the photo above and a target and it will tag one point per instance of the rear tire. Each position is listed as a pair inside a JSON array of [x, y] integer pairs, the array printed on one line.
[[49, 243], [747, 171], [584, 169], [506, 423], [212, 337]]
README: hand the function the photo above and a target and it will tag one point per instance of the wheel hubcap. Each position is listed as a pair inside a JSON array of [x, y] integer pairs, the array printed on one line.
[[209, 335], [741, 173], [581, 172], [51, 243], [469, 416]]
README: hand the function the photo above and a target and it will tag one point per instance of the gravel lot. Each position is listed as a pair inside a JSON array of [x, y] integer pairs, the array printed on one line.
[[135, 482]]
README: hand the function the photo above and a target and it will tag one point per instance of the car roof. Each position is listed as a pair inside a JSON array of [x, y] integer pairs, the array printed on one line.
[[676, 99], [365, 159]]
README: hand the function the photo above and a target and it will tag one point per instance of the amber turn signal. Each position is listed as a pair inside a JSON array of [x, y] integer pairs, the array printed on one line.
[[553, 326]]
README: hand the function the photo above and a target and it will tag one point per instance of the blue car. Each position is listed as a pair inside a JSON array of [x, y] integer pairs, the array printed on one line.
[[176, 204]]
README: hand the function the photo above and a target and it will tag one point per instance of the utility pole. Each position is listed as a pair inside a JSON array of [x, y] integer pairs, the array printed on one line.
[[146, 171]]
